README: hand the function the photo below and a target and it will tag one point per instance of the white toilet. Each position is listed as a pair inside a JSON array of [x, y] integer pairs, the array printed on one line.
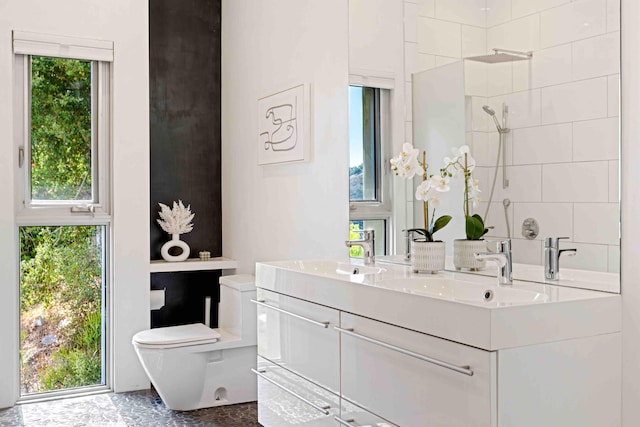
[[194, 366]]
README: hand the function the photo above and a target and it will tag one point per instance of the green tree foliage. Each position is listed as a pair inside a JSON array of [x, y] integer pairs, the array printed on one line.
[[60, 129]]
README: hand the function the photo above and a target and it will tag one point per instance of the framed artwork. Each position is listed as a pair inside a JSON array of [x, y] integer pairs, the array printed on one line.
[[283, 129]]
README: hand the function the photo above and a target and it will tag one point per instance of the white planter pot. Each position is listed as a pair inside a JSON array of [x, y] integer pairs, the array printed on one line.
[[463, 251], [427, 257], [175, 242]]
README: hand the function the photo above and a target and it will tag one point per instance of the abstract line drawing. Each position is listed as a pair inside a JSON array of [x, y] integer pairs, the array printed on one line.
[[283, 136], [281, 126]]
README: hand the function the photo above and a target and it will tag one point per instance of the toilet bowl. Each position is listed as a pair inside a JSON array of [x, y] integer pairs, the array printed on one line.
[[194, 366]]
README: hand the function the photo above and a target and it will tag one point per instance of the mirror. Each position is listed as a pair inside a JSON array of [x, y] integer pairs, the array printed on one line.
[[554, 95]]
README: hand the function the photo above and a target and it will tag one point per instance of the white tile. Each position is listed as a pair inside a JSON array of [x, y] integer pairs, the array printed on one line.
[[521, 34], [596, 223], [475, 78], [613, 15], [408, 96], [479, 119], [410, 60], [596, 140], [589, 257], [613, 96], [573, 21], [439, 38], [444, 60], [583, 100], [554, 219], [426, 62], [596, 56], [543, 144], [525, 184], [496, 219], [614, 181], [427, 8], [526, 251], [614, 259], [576, 182], [411, 22], [527, 7], [408, 132], [485, 148], [498, 12], [547, 67], [500, 79], [524, 108], [470, 12], [474, 41]]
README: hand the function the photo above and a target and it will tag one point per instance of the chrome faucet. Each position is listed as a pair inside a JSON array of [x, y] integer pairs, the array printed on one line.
[[503, 258], [367, 243], [408, 237], [552, 254]]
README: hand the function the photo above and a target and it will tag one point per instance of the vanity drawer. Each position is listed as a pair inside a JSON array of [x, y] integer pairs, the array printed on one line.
[[300, 336], [286, 399], [414, 379]]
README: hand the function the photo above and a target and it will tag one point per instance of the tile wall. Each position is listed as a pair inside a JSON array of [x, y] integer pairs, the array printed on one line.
[[562, 151]]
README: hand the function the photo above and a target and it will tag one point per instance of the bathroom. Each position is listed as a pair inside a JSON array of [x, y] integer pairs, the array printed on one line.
[[282, 211]]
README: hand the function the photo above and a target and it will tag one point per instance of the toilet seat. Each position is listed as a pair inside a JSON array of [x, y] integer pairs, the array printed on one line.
[[177, 336]]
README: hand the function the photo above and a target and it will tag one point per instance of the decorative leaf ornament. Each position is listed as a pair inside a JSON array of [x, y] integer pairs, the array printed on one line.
[[176, 220]]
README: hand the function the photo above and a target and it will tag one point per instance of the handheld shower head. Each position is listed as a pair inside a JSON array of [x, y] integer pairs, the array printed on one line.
[[490, 111]]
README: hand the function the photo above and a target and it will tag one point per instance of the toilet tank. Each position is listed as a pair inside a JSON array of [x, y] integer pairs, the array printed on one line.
[[236, 312]]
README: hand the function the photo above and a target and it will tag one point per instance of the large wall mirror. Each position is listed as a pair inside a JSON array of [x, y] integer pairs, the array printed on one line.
[[541, 116]]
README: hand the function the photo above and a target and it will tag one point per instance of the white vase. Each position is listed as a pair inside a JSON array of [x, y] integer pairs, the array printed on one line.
[[173, 243], [463, 254], [427, 257]]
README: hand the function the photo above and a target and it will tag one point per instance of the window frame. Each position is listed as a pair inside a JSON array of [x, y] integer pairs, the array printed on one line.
[[69, 212], [382, 207]]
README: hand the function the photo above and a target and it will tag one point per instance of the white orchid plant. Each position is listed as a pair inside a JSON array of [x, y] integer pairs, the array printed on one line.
[[407, 165], [176, 220], [462, 164]]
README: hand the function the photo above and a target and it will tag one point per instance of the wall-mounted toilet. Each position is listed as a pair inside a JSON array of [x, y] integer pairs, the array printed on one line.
[[194, 366]]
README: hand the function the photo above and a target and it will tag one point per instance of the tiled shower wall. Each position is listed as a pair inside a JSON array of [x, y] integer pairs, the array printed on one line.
[[562, 151]]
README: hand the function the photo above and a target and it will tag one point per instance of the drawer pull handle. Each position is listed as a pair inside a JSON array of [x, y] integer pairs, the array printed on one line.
[[344, 422], [460, 369], [323, 409], [306, 319]]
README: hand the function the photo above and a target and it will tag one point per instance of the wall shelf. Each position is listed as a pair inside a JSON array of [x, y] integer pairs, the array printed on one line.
[[192, 264]]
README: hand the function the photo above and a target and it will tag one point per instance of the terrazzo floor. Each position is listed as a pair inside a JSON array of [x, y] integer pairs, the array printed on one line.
[[141, 408]]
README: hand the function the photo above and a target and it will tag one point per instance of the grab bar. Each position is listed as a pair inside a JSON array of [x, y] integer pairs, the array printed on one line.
[[297, 316], [460, 369], [323, 409]]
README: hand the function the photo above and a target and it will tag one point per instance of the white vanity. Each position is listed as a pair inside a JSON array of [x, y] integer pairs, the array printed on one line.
[[346, 344]]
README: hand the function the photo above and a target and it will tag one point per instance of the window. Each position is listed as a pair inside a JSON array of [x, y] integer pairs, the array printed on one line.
[[63, 211], [369, 189]]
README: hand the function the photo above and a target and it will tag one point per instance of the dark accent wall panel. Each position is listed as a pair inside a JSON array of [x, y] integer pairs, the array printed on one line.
[[185, 148], [184, 74]]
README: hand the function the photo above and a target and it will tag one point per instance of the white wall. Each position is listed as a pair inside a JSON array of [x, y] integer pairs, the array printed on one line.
[[284, 211], [630, 244], [125, 23]]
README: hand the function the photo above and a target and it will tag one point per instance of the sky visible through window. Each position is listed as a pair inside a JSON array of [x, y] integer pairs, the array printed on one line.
[[355, 126]]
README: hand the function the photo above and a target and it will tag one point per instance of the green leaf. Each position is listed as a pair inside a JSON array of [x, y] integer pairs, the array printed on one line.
[[441, 223], [474, 228], [479, 218], [423, 232]]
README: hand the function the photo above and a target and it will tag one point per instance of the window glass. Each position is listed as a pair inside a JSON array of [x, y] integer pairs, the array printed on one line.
[[61, 130], [363, 144]]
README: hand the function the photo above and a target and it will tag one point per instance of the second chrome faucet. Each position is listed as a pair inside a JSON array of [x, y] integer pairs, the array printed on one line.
[[503, 258]]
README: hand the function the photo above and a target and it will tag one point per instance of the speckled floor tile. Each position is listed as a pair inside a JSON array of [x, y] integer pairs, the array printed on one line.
[[141, 408]]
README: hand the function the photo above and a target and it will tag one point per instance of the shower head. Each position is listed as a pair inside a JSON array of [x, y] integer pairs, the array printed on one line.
[[490, 111], [502, 55]]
